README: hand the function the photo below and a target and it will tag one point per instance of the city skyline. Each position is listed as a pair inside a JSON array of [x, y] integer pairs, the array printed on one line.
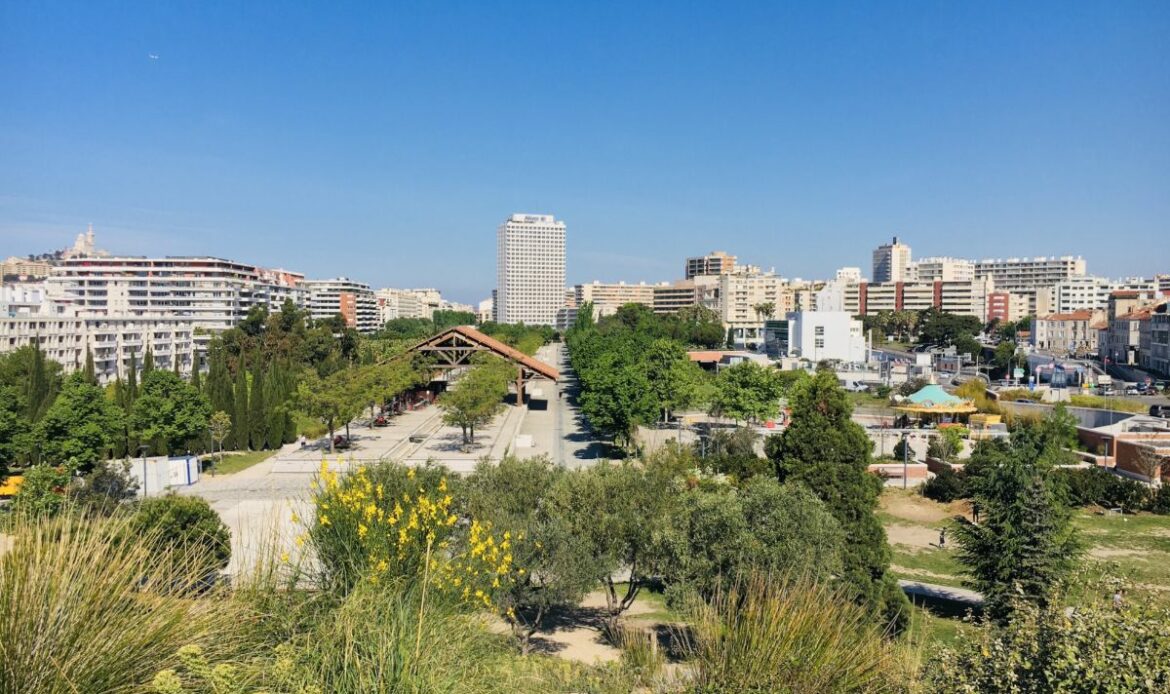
[[781, 134]]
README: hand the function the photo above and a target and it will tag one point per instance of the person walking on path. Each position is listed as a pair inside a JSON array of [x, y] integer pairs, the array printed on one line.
[[942, 538]]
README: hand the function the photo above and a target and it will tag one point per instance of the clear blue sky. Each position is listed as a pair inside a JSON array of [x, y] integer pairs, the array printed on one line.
[[386, 141]]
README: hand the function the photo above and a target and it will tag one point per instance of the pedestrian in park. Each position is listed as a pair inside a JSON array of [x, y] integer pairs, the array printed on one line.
[[942, 538], [975, 513]]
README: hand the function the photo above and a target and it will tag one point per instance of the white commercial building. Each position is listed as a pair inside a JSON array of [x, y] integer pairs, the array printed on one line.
[[353, 300], [1090, 293], [530, 269], [891, 262], [822, 335]]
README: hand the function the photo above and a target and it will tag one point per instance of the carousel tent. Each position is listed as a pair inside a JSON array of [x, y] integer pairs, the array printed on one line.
[[932, 399]]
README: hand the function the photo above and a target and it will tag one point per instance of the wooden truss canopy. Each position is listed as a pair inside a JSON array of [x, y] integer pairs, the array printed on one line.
[[453, 349]]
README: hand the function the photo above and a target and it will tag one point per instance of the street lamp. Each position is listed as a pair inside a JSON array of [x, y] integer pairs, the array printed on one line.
[[905, 459], [142, 448]]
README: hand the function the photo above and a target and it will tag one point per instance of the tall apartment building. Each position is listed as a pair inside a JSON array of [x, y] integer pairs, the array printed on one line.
[[355, 301], [943, 270], [530, 269], [212, 294], [714, 263], [891, 262], [1028, 276], [742, 295]]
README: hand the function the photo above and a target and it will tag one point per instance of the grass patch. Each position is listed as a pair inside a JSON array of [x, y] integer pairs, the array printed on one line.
[[934, 630], [235, 462], [927, 565], [1097, 402]]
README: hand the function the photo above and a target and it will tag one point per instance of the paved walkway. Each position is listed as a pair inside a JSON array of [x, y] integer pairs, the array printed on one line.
[[961, 597]]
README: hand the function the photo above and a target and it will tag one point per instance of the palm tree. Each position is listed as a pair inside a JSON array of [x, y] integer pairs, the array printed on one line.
[[765, 309]]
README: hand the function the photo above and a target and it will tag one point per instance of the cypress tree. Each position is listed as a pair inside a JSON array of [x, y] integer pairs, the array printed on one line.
[[175, 362], [241, 431], [147, 362], [37, 390], [132, 381], [90, 370], [219, 383], [196, 379], [274, 399], [257, 412]]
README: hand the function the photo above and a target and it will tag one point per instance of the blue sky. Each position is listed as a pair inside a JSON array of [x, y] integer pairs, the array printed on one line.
[[386, 141]]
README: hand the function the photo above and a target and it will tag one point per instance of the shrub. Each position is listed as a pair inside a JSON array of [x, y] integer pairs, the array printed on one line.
[[1094, 485], [1091, 649], [85, 606], [183, 526], [104, 490], [42, 493], [790, 637], [945, 487], [1160, 500]]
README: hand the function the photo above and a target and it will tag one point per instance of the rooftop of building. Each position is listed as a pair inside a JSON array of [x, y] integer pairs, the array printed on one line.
[[1084, 314]]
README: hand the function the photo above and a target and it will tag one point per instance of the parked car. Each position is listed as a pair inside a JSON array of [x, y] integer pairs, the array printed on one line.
[[1132, 390], [417, 438], [1162, 411], [340, 442]]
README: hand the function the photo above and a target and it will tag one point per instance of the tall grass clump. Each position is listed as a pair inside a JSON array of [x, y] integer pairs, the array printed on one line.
[[790, 637], [86, 606]]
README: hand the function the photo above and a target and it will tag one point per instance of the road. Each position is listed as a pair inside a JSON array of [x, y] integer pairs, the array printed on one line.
[[554, 423]]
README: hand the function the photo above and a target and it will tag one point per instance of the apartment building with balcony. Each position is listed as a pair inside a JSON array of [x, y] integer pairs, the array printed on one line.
[[1028, 276], [354, 301], [1075, 332]]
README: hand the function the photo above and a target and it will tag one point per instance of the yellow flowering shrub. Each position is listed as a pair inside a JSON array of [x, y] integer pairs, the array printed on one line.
[[387, 522]]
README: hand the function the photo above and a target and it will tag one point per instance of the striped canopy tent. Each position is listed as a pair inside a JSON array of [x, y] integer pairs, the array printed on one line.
[[933, 400]]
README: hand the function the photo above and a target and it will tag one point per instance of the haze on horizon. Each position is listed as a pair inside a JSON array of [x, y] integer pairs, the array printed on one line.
[[386, 144]]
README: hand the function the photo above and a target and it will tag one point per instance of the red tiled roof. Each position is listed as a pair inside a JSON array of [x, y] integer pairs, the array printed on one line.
[[1075, 315], [504, 350]]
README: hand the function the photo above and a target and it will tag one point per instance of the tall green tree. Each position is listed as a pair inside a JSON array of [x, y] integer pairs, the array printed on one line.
[[147, 362], [80, 427], [258, 408], [675, 380], [89, 370], [169, 412], [476, 398], [219, 382], [1025, 544], [331, 401], [130, 392], [830, 453], [14, 428], [617, 397], [241, 424], [747, 391]]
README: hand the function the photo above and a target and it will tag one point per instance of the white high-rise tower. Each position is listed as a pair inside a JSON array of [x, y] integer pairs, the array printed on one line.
[[891, 262], [530, 269]]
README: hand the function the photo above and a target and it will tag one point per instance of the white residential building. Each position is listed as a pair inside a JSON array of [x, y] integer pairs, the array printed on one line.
[[891, 262], [943, 270], [211, 294], [530, 269], [1090, 293], [485, 311], [1028, 276], [398, 303], [355, 302], [607, 298], [822, 335], [112, 340]]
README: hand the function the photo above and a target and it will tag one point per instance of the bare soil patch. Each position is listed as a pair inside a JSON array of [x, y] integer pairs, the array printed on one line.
[[911, 535], [1114, 553]]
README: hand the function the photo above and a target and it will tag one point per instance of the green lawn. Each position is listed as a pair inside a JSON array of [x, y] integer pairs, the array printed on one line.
[[1134, 546], [235, 462]]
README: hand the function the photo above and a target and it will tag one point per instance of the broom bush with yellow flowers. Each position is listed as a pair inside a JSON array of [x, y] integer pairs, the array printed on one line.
[[390, 523]]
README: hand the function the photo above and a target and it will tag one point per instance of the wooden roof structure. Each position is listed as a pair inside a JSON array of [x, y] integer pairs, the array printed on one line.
[[454, 347]]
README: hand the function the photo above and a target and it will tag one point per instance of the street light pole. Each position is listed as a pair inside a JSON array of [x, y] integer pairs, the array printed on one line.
[[905, 460]]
